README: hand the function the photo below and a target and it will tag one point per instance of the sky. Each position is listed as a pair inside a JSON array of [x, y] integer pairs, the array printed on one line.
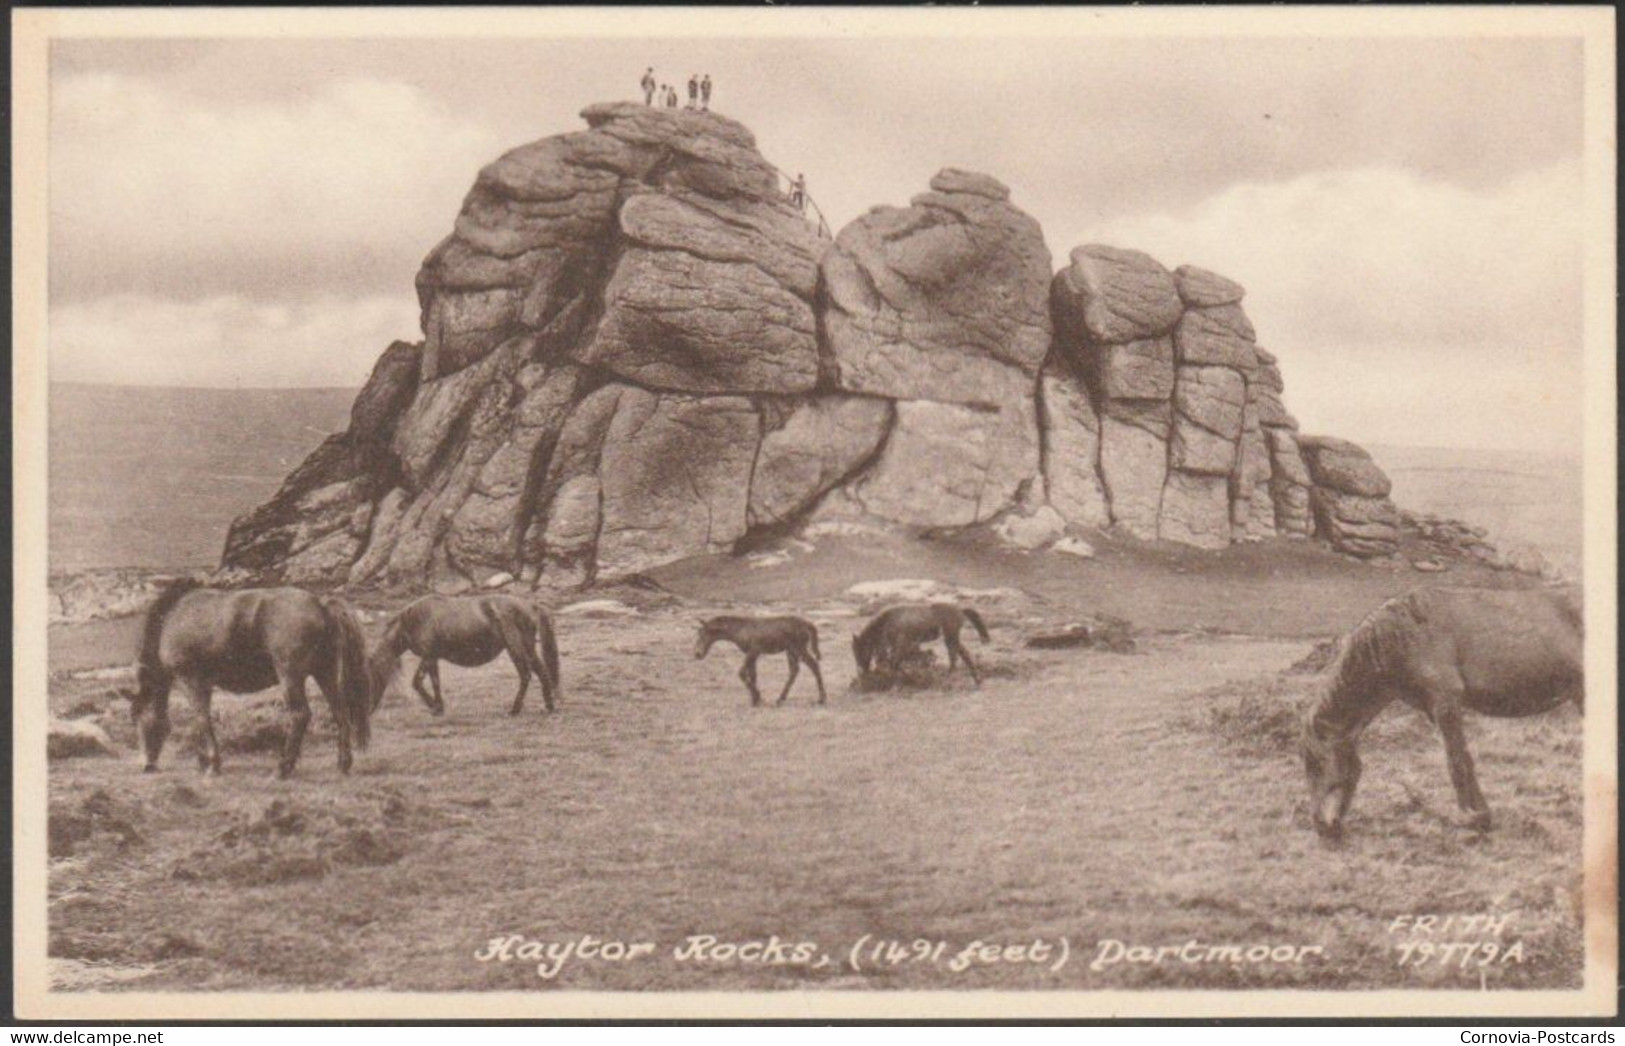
[[1404, 212]]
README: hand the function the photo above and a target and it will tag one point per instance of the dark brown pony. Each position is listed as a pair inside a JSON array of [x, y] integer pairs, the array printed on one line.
[[1505, 653], [243, 641], [899, 631], [468, 631], [794, 637]]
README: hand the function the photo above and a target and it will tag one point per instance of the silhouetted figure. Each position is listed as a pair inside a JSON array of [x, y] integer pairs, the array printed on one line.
[[671, 97], [694, 91], [798, 193], [705, 93], [648, 84]]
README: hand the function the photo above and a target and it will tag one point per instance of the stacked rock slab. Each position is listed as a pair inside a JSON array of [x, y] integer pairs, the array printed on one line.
[[636, 350], [942, 308], [1115, 312], [1349, 497]]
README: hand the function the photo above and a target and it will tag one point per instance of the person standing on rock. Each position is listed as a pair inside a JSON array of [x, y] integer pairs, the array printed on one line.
[[798, 193], [694, 91], [648, 84], [705, 94], [671, 97]]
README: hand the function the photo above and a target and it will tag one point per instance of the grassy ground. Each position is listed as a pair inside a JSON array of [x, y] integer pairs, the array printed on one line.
[[1152, 798]]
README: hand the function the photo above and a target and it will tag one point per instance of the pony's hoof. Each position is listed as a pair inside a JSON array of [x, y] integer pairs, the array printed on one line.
[[150, 768], [284, 772], [514, 711], [1478, 822]]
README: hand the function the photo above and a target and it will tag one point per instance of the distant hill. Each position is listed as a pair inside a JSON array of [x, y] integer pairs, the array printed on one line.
[[1517, 496], [151, 477]]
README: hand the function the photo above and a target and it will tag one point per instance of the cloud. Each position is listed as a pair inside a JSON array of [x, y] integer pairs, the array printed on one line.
[[1404, 309], [225, 341], [345, 182]]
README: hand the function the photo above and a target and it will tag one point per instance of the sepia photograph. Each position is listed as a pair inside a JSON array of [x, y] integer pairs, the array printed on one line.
[[816, 513]]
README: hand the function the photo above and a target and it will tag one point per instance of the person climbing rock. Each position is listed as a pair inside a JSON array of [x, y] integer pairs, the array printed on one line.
[[798, 193], [648, 85], [705, 93], [694, 91]]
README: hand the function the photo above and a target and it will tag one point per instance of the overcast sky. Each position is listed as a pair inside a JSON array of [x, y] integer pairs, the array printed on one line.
[[1404, 213]]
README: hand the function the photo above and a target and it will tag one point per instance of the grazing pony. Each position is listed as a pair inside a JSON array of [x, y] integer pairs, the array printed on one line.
[[468, 631], [794, 637], [243, 641], [900, 630], [1505, 653]]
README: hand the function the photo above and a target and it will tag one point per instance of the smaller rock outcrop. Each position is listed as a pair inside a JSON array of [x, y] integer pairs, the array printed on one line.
[[1349, 497]]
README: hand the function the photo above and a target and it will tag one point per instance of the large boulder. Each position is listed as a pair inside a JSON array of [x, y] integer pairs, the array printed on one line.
[[711, 299], [1343, 466], [636, 350], [1289, 483], [1071, 448], [1133, 469], [675, 478], [1199, 287], [939, 300], [1110, 295], [1220, 336], [1195, 510], [952, 464], [1360, 526], [1208, 406], [813, 445]]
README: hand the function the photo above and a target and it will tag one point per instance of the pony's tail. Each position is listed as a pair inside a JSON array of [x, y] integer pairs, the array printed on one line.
[[812, 641], [384, 663], [547, 645], [976, 622], [349, 646]]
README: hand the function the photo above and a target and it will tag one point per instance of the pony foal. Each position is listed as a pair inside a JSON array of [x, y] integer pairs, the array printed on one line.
[[795, 638]]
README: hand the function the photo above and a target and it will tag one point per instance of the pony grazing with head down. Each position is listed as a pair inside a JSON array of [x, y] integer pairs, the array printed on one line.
[[1444, 651], [468, 631], [243, 641], [898, 631]]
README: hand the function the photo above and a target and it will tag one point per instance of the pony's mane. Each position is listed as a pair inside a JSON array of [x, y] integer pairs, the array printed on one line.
[[152, 629], [1370, 650]]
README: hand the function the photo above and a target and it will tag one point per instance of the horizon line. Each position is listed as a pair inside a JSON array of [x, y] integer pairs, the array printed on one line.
[[1578, 455]]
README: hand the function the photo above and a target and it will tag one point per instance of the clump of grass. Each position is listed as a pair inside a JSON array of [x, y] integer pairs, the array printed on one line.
[[290, 840], [1260, 717]]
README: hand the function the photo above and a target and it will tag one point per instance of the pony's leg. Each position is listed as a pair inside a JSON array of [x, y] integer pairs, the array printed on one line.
[[341, 718], [795, 667], [951, 642], [747, 675], [975, 673], [519, 653], [434, 680], [546, 678], [293, 696], [203, 739], [812, 663], [430, 701], [154, 727], [1447, 713]]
